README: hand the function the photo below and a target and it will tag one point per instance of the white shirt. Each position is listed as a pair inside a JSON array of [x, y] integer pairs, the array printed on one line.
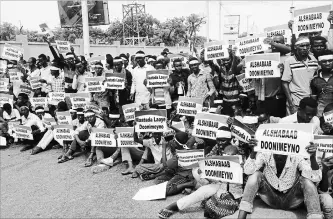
[[142, 95], [156, 149], [45, 73], [15, 114], [31, 120], [293, 119], [35, 73]]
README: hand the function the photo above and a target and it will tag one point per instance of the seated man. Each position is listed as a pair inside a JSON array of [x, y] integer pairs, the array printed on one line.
[[325, 126], [10, 114], [326, 200]]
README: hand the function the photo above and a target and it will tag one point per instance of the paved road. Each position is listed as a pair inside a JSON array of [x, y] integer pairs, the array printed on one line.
[[38, 187]]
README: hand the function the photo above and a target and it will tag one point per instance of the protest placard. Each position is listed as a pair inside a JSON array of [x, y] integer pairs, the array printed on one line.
[[4, 82], [154, 192], [35, 83], [188, 159], [63, 46], [6, 98], [63, 133], [188, 106], [23, 132], [157, 78], [174, 57], [129, 110], [56, 97], [46, 30], [3, 66], [151, 121], [207, 124], [313, 19], [328, 117], [179, 125], [216, 50], [11, 52], [279, 30], [64, 118], [126, 137], [251, 44], [95, 84], [222, 168], [39, 101], [14, 74], [18, 88], [262, 65], [79, 100], [103, 137], [115, 81], [285, 139], [50, 121], [241, 131], [245, 83], [324, 144]]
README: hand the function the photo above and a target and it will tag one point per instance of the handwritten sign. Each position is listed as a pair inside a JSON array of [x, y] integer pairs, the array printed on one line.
[[189, 158], [14, 74], [279, 30], [188, 106], [46, 30], [79, 100], [328, 117], [63, 46], [241, 131], [262, 65], [11, 52], [324, 144], [115, 81], [129, 110], [311, 20], [157, 78], [245, 83], [64, 118], [23, 132], [103, 137], [3, 66], [216, 50], [56, 97], [249, 45], [222, 168], [207, 124], [39, 101], [4, 82], [151, 121], [35, 83], [63, 133], [126, 137], [6, 98], [95, 84], [285, 139]]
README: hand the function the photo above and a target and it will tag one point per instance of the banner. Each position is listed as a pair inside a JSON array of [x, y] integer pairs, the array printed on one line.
[[14, 75], [314, 19], [115, 81], [39, 101], [222, 168], [324, 144], [4, 82], [18, 88], [126, 137], [64, 118], [95, 84], [63, 46], [11, 52], [23, 132], [151, 121], [35, 83], [285, 139], [207, 124], [216, 50], [241, 131], [56, 97], [46, 30], [103, 138], [6, 98], [328, 117], [245, 83], [189, 158], [279, 30], [79, 100], [3, 66], [231, 25], [188, 106], [251, 44], [129, 110], [63, 133], [157, 78], [262, 66]]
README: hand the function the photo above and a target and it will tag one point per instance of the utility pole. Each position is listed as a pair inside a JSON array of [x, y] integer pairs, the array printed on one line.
[[220, 20], [207, 8], [85, 25]]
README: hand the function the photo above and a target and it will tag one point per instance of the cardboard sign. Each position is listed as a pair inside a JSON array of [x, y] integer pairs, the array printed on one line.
[[46, 30], [207, 124], [189, 158], [39, 101], [151, 121], [126, 137], [154, 192], [328, 117], [4, 82], [285, 139], [222, 168], [129, 110], [311, 20], [324, 144], [63, 133], [245, 83], [14, 74], [3, 66], [216, 50], [157, 78], [11, 52], [79, 100], [6, 98], [63, 46], [18, 88], [23, 132], [188, 106], [103, 138], [35, 83], [56, 97], [279, 30], [262, 66], [64, 118], [249, 45], [179, 125], [95, 84], [241, 131], [50, 121], [115, 81]]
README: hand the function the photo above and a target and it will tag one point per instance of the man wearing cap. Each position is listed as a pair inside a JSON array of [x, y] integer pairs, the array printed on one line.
[[139, 91], [298, 72], [322, 84]]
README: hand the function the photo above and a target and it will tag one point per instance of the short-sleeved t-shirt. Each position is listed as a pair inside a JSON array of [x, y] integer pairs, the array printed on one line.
[[156, 149]]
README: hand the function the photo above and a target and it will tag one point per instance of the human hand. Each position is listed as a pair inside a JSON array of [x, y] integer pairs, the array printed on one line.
[[230, 120], [145, 82], [327, 89], [290, 24], [72, 49], [132, 97], [253, 142], [327, 163], [268, 40], [116, 136], [311, 149], [327, 128], [330, 18], [293, 109]]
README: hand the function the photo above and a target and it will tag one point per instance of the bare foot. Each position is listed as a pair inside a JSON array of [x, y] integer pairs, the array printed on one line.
[[130, 170]]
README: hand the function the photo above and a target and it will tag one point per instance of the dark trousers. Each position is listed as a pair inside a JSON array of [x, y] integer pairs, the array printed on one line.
[[275, 107]]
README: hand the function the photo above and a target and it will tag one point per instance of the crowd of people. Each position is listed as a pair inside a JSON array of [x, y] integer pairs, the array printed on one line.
[[302, 94]]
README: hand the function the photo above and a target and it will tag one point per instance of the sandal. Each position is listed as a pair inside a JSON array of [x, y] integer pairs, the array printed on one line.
[[64, 159], [165, 213], [89, 162], [135, 175], [146, 177]]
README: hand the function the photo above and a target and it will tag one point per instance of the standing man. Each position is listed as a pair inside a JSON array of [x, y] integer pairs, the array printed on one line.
[[179, 79], [318, 46], [33, 71]]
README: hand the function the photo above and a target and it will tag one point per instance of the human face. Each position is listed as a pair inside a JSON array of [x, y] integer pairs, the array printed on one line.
[[159, 66], [80, 117], [80, 68], [70, 60], [157, 136], [223, 142], [99, 70], [307, 114], [24, 112], [303, 49], [318, 47], [73, 115], [91, 119], [118, 66], [326, 64], [140, 61], [178, 66], [194, 68], [279, 40], [30, 63], [40, 114], [55, 73]]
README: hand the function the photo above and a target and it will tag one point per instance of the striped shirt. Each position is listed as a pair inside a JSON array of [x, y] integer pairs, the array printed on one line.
[[299, 75], [230, 87]]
